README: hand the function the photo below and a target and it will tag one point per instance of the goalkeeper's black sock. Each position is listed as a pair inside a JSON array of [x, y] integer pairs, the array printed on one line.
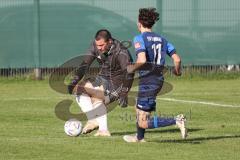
[[140, 132]]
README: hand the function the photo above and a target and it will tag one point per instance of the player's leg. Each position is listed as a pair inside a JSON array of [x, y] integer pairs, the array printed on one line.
[[145, 121], [100, 112], [96, 89], [105, 93], [141, 125], [91, 100], [85, 103]]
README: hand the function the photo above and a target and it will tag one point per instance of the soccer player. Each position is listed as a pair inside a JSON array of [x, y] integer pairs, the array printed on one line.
[[112, 82], [152, 48]]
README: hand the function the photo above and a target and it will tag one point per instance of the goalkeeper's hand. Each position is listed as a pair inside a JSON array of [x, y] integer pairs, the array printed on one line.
[[70, 88], [123, 97]]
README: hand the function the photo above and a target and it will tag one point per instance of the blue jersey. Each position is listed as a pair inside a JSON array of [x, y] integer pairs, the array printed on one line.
[[155, 48]]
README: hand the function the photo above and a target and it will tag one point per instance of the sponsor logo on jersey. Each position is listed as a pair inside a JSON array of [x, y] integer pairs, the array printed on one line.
[[154, 39], [137, 45]]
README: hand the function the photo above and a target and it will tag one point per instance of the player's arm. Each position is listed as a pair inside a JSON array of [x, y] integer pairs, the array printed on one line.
[[141, 60], [140, 50], [171, 51], [177, 64], [82, 69]]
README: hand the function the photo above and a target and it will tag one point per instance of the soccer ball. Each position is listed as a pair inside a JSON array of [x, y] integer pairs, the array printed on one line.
[[73, 127]]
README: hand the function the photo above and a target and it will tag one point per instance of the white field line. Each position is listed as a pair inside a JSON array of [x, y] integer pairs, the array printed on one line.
[[199, 102], [164, 99]]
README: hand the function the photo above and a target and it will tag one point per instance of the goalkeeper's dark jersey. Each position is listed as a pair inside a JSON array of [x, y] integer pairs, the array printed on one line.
[[112, 65]]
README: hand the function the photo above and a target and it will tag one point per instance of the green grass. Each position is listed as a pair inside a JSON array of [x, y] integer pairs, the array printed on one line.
[[29, 128]]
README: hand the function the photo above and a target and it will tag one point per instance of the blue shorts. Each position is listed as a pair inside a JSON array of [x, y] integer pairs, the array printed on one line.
[[147, 93]]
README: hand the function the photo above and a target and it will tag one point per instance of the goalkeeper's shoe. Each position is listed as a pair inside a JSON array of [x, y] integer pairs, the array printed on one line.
[[180, 122], [132, 139], [90, 126], [102, 134]]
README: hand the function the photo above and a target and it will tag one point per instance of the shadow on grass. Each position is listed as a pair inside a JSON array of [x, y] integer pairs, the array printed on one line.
[[189, 140], [155, 131], [197, 140]]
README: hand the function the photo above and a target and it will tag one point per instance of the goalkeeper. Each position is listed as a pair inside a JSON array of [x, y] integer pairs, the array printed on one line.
[[111, 83]]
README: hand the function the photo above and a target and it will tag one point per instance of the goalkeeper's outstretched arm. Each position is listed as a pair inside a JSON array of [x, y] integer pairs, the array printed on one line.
[[83, 68]]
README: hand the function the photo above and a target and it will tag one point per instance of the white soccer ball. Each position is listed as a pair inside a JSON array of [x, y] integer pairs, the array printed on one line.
[[73, 127]]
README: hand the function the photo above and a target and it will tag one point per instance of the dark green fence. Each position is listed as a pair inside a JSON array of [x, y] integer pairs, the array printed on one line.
[[46, 33]]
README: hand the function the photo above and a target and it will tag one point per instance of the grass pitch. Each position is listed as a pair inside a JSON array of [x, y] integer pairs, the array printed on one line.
[[29, 128]]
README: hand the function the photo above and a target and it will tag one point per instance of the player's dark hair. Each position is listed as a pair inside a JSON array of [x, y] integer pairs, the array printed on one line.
[[148, 16], [103, 34]]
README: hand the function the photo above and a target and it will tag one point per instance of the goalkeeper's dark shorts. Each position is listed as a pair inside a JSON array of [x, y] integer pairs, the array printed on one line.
[[111, 91]]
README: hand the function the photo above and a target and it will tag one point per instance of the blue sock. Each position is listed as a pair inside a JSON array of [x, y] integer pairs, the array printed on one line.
[[140, 133], [156, 122]]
